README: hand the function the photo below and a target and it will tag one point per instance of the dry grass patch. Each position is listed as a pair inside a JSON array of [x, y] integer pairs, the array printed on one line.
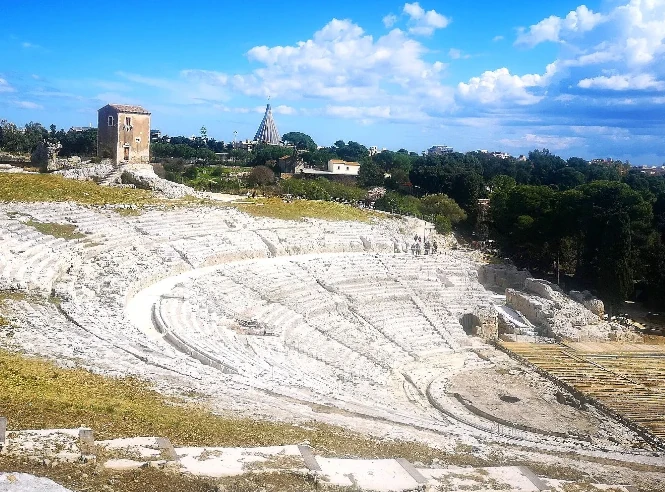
[[51, 188], [37, 394], [299, 209], [64, 231]]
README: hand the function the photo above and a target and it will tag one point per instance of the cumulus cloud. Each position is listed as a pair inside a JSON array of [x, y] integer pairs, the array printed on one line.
[[552, 28], [497, 38], [422, 22], [500, 86], [343, 63], [389, 20], [623, 82]]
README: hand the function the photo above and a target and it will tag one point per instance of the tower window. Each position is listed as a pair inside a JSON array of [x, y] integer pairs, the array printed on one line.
[[128, 121], [110, 120]]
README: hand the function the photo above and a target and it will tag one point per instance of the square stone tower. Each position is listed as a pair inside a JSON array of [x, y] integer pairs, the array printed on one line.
[[123, 133]]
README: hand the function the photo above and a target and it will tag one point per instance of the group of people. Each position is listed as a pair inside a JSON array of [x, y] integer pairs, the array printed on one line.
[[421, 245]]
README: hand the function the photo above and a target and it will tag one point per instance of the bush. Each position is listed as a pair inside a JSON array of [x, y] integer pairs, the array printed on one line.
[[442, 205], [261, 176], [400, 204], [442, 224]]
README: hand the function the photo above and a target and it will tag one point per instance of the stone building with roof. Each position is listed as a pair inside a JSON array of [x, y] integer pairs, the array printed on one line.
[[123, 133]]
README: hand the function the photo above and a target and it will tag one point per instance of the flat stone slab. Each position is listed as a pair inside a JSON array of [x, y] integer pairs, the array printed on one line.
[[226, 462], [23, 482], [143, 447], [309, 458], [487, 479], [375, 475]]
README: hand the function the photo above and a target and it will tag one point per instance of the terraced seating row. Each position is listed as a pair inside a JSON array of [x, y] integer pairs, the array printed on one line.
[[30, 260]]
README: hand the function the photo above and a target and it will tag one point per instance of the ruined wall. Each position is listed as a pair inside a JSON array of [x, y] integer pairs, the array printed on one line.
[[501, 277]]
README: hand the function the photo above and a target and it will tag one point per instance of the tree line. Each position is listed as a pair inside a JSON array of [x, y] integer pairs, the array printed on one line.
[[24, 140], [599, 226]]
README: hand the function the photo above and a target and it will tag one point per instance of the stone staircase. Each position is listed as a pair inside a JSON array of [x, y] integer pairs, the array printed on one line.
[[113, 177]]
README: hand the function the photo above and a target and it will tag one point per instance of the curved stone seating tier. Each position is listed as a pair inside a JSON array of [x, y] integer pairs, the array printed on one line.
[[338, 327]]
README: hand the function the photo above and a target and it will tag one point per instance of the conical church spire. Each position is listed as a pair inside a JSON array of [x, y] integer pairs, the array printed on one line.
[[267, 132]]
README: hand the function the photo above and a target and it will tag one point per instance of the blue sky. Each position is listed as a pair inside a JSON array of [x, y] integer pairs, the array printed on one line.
[[580, 79]]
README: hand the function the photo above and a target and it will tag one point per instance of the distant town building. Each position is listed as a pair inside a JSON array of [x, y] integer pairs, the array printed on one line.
[[247, 145], [338, 166], [123, 133], [290, 164], [440, 150], [500, 155], [267, 132], [81, 129], [373, 150], [604, 162], [155, 135]]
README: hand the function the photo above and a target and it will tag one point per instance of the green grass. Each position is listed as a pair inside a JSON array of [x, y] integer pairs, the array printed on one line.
[[50, 188], [64, 231], [299, 209]]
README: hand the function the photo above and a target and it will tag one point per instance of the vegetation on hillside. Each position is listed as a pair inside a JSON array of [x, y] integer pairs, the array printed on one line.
[[81, 142], [276, 208]]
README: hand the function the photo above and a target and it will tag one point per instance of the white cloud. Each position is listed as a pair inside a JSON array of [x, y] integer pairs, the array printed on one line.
[[497, 38], [27, 105], [283, 109], [623, 82], [342, 63], [5, 87], [389, 20], [579, 20], [456, 54], [28, 45], [499, 86], [552, 142], [422, 22], [368, 114]]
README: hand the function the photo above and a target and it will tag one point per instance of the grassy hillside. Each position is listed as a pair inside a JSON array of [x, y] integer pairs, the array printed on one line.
[[299, 209], [37, 394], [52, 188]]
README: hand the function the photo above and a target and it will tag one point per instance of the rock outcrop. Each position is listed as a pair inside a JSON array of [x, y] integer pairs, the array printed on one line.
[[557, 315], [143, 176]]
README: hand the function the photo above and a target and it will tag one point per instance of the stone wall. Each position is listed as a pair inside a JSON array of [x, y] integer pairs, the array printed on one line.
[[501, 277]]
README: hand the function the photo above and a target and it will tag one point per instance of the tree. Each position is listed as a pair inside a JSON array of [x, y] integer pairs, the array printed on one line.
[[615, 278], [370, 174], [442, 205], [261, 176], [302, 141]]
